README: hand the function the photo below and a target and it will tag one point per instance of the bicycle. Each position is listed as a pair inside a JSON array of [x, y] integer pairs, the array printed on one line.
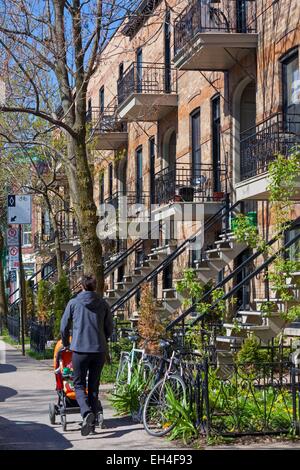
[[128, 359], [179, 380]]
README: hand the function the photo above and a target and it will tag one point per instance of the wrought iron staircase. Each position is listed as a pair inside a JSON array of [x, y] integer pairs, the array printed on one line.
[[265, 328], [208, 266]]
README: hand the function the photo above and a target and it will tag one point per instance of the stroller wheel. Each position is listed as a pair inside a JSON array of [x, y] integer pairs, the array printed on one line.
[[100, 419], [63, 420], [52, 413]]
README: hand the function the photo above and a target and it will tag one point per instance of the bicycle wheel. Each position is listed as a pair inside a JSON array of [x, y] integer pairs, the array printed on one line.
[[123, 371], [155, 419]]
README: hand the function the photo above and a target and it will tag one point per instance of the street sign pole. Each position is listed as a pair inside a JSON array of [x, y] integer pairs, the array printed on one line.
[[22, 292]]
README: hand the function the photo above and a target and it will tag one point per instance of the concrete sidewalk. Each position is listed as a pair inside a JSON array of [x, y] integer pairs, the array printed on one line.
[[26, 388]]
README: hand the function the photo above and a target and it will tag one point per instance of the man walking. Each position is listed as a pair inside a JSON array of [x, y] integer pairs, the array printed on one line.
[[92, 326]]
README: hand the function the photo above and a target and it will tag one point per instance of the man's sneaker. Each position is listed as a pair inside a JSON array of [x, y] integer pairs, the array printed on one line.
[[87, 424], [99, 420]]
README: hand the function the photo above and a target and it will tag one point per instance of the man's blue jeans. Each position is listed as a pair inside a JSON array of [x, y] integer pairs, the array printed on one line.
[[91, 364]]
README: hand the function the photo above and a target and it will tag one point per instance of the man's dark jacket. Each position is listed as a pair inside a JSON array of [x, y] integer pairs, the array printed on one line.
[[92, 323]]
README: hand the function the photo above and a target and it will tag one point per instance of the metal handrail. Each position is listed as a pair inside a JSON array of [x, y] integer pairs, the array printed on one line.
[[220, 215], [250, 276]]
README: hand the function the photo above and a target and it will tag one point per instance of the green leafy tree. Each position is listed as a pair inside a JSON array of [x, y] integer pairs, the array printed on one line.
[[150, 326], [61, 296], [44, 301], [30, 307]]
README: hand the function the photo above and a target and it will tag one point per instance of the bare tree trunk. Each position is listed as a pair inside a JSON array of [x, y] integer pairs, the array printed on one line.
[[81, 189], [3, 300]]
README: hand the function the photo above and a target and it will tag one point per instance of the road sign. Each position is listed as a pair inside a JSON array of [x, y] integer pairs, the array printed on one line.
[[19, 209], [12, 237], [13, 253]]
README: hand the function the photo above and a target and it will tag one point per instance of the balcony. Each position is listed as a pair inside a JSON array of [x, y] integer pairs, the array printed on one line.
[[128, 207], [132, 198], [147, 92], [278, 134], [214, 35], [68, 237], [108, 130], [202, 184]]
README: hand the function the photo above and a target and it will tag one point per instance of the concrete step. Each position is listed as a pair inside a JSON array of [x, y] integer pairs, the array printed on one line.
[[229, 339], [205, 274], [111, 300]]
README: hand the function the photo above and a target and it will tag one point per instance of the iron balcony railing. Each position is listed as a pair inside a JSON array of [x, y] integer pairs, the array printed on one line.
[[191, 183], [146, 78], [105, 120], [67, 232], [279, 134], [203, 16], [132, 198]]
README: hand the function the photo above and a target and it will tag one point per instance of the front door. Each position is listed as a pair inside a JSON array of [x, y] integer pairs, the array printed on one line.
[[168, 277]]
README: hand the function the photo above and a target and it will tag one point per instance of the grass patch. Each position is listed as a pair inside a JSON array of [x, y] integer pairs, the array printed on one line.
[[109, 372], [7, 339], [48, 354]]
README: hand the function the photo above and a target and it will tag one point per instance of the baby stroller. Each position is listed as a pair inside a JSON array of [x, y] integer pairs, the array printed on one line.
[[66, 403]]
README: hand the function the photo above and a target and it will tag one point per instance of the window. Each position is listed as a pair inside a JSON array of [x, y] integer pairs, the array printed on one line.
[[101, 99], [293, 253], [196, 149], [167, 40], [291, 90], [101, 188], [241, 16], [46, 224], [139, 174], [121, 70], [89, 110], [152, 169], [216, 142], [139, 71], [26, 235]]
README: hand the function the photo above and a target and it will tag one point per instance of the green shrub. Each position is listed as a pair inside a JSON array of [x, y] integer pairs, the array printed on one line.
[[30, 307], [44, 301], [183, 414], [251, 352], [126, 399], [61, 296]]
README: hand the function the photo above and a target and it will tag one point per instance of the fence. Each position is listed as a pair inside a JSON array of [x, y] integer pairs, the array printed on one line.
[[14, 327], [39, 335]]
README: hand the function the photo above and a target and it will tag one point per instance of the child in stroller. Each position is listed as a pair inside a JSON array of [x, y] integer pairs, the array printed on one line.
[[66, 403]]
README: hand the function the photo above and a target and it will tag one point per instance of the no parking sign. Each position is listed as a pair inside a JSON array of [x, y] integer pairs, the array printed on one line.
[[12, 237], [13, 257]]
